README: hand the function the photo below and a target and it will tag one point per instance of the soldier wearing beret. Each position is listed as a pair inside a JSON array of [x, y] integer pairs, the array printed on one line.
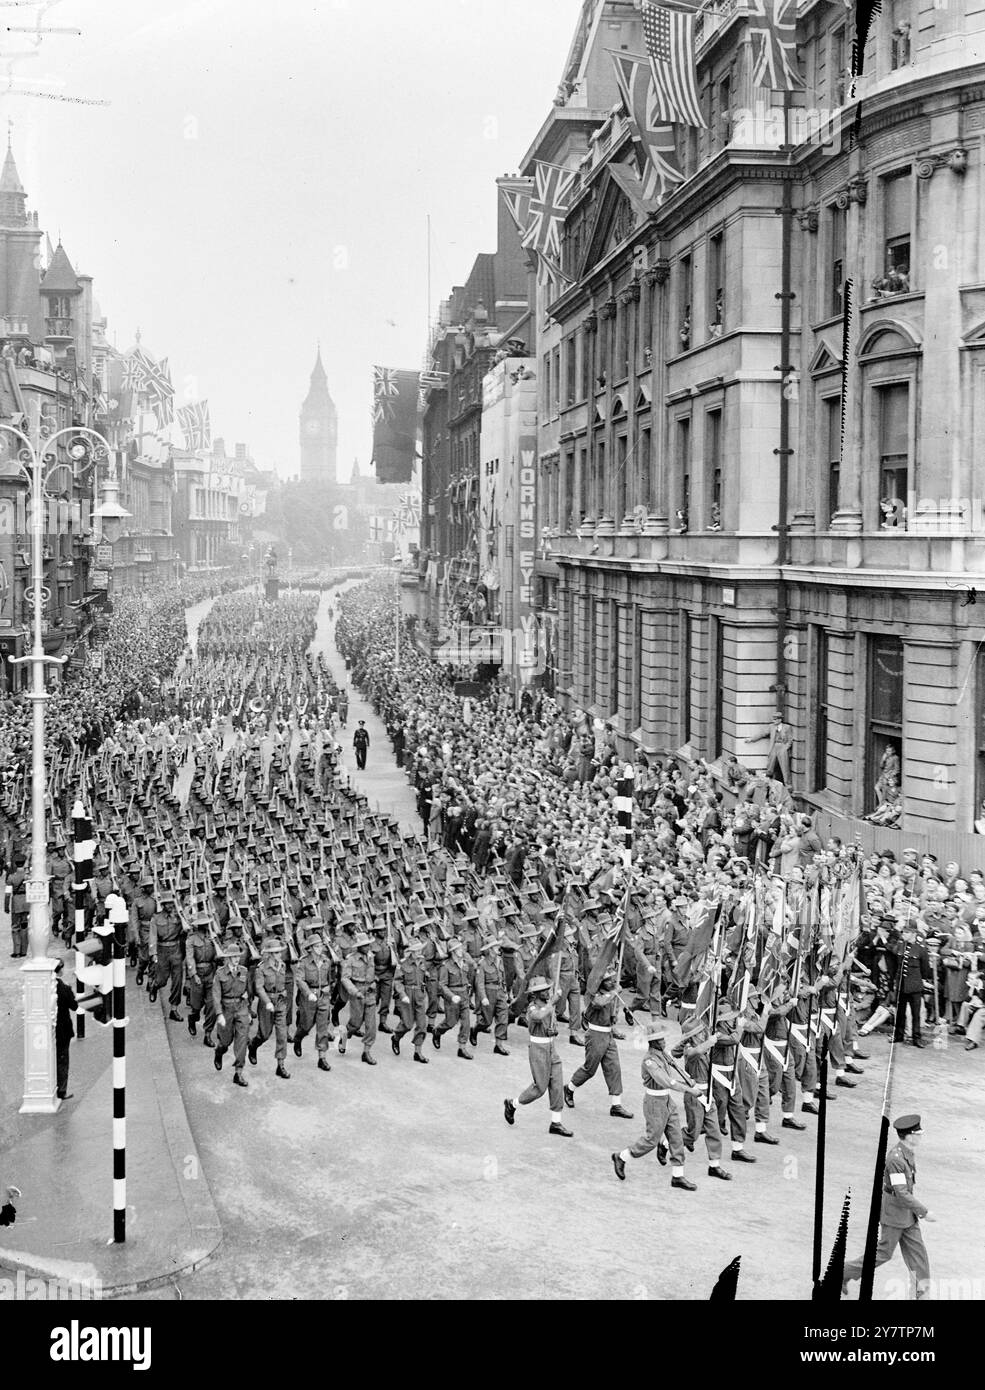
[[902, 1211]]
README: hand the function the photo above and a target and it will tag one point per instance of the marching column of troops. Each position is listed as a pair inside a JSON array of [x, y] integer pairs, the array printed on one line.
[[268, 896]]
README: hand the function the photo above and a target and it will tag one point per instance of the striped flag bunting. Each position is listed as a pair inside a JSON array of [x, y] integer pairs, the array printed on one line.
[[670, 44]]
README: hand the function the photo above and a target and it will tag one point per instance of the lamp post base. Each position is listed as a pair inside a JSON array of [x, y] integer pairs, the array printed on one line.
[[39, 1038]]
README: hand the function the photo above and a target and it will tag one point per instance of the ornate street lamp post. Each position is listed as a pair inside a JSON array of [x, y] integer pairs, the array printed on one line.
[[37, 465]]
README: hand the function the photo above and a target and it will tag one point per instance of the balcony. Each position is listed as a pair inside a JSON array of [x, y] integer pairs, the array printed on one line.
[[61, 330]]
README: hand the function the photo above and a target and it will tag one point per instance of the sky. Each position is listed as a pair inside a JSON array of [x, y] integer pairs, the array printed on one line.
[[260, 177]]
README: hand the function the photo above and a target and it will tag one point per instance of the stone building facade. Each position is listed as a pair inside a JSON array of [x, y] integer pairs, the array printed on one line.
[[659, 477]]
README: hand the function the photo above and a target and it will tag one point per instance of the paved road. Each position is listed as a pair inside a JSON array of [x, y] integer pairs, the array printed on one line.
[[401, 1182]]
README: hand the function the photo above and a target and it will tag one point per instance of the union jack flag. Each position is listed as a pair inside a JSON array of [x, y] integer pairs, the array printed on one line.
[[548, 205], [133, 374], [196, 425], [669, 38], [773, 26], [655, 136], [385, 385], [517, 199]]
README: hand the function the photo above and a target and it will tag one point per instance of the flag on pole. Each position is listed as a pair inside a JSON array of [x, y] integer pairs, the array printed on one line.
[[670, 44], [396, 398], [655, 137], [773, 27], [516, 195], [549, 201], [196, 425]]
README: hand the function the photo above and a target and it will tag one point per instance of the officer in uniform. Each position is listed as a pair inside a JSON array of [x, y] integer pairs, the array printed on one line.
[[314, 981], [661, 1078], [410, 983], [492, 998], [167, 956], [902, 1212], [600, 1047], [359, 983], [230, 1002], [545, 1064], [455, 981], [200, 962], [271, 983]]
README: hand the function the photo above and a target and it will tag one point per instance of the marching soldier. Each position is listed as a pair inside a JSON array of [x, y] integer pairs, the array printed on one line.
[[455, 985], [200, 963], [166, 953], [600, 1047], [492, 998], [410, 984], [230, 1002], [271, 983], [570, 996], [694, 1048], [359, 982], [314, 981], [385, 963], [902, 1212], [661, 1078], [545, 1064]]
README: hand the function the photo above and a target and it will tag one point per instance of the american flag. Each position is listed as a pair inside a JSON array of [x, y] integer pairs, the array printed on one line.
[[669, 38], [196, 425], [773, 26], [656, 137], [548, 205]]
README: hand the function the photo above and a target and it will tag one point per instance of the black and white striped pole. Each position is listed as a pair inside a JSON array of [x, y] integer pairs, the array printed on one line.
[[83, 853], [625, 788], [119, 915]]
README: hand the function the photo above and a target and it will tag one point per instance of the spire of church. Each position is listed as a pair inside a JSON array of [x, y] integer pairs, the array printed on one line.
[[356, 477], [13, 199]]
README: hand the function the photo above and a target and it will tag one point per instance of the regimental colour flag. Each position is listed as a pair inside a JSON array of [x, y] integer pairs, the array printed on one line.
[[655, 137], [396, 401], [196, 425], [548, 204], [773, 26], [669, 38]]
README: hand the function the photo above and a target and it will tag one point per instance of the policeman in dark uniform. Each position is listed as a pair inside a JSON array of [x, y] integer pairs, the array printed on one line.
[[902, 1212]]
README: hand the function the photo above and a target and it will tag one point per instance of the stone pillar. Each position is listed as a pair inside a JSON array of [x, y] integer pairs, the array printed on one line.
[[658, 523]]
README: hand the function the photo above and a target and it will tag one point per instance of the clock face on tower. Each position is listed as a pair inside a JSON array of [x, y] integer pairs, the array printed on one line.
[[312, 427]]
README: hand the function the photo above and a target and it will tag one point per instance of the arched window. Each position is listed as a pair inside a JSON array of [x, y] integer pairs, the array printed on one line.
[[890, 359]]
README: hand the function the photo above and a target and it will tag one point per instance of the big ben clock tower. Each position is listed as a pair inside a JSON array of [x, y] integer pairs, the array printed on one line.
[[318, 429]]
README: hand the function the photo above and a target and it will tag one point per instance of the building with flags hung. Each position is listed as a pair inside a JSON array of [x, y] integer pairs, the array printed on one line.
[[736, 519], [483, 322]]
